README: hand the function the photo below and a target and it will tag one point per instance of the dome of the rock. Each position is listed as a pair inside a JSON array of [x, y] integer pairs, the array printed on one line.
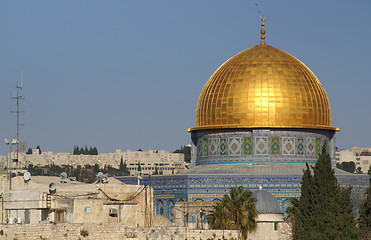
[[263, 87]]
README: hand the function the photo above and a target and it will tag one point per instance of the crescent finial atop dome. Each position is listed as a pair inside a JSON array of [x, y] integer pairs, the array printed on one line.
[[262, 18]]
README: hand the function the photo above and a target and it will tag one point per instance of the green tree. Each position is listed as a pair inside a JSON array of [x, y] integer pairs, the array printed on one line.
[[235, 211], [76, 150], [94, 151], [139, 168], [364, 221], [347, 166], [96, 168], [186, 150], [156, 171], [38, 147], [121, 167], [324, 209], [29, 151], [291, 210]]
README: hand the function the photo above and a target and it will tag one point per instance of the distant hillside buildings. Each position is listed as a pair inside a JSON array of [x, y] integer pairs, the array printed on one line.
[[360, 156], [145, 161]]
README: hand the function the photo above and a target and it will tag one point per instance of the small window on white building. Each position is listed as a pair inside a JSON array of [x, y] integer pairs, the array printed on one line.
[[87, 209], [113, 212]]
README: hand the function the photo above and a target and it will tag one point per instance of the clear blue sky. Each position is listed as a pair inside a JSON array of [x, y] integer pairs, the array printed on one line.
[[127, 74]]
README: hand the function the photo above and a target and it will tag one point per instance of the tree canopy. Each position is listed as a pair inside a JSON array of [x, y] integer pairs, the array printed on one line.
[[38, 147], [347, 166], [186, 150], [123, 168], [364, 221], [324, 210], [29, 151], [235, 211], [85, 151]]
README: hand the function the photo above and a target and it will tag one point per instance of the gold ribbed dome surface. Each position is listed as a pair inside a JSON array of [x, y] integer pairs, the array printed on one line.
[[263, 87]]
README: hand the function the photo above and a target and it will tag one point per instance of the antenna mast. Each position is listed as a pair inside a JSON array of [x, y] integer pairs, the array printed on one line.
[[18, 97]]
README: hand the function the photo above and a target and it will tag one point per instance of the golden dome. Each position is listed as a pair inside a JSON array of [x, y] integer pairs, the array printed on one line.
[[263, 87]]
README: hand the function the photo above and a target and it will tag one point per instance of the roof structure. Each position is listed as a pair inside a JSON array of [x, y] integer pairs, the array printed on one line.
[[266, 203]]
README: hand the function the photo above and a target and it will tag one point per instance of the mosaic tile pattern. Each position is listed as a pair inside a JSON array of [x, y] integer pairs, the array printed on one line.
[[213, 146], [300, 146], [318, 145], [223, 146], [234, 146], [261, 146], [288, 146], [161, 210], [171, 210], [310, 146], [275, 145], [205, 148], [210, 187], [247, 146]]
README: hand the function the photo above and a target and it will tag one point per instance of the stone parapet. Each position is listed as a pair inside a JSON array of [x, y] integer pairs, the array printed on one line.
[[104, 231]]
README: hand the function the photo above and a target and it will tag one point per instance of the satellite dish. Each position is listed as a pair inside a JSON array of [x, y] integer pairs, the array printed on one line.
[[63, 176], [52, 188], [27, 176], [102, 178]]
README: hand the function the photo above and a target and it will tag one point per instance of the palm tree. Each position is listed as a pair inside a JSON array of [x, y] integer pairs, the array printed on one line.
[[235, 211]]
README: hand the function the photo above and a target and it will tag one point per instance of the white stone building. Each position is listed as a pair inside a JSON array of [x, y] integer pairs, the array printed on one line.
[[165, 162], [36, 201], [360, 156]]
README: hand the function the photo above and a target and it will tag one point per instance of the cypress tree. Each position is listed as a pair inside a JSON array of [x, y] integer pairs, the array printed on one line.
[[38, 147], [29, 151], [91, 150], [126, 170], [121, 165], [139, 167], [302, 214], [364, 221], [95, 151], [324, 209]]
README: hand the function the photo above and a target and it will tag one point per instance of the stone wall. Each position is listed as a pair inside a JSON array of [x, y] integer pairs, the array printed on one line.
[[110, 231]]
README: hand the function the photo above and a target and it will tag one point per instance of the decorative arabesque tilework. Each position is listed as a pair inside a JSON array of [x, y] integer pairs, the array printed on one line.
[[275, 145], [318, 145], [161, 208], [261, 146], [310, 146], [288, 146], [300, 146], [247, 146], [223, 146], [234, 146], [171, 210], [213, 146], [205, 148]]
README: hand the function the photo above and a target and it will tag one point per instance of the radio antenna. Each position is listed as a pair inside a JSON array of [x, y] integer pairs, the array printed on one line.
[[18, 97]]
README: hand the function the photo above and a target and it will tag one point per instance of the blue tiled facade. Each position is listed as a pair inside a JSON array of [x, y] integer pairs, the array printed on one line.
[[169, 189]]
